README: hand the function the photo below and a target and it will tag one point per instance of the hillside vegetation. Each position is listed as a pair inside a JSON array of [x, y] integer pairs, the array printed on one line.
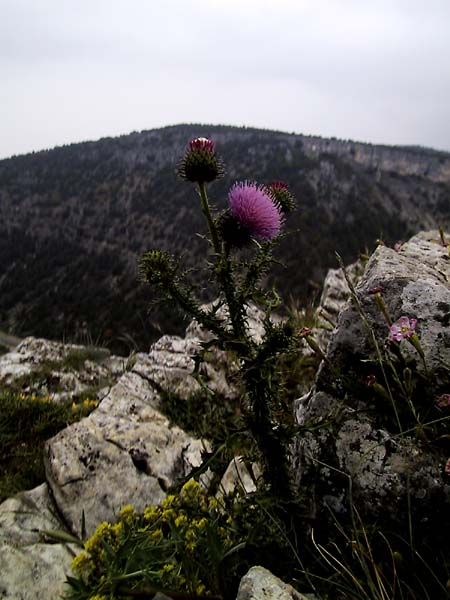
[[74, 220]]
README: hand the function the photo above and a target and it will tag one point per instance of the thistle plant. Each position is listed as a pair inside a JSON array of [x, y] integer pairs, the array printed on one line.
[[241, 239]]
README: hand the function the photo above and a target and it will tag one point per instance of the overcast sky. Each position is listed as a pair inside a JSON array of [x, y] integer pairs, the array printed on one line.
[[369, 70]]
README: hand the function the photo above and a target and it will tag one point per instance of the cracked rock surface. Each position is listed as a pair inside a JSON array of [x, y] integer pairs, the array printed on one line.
[[348, 443], [44, 366], [32, 566], [125, 452]]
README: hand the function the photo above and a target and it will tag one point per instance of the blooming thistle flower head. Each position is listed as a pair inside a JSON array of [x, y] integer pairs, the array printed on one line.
[[200, 163], [402, 329], [282, 196], [253, 207]]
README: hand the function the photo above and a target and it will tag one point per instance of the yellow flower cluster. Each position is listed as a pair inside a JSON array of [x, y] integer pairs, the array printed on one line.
[[85, 405], [34, 398], [103, 531], [82, 563], [127, 512], [179, 527]]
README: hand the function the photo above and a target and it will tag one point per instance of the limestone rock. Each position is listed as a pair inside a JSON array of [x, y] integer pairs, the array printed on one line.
[[8, 342], [255, 326], [170, 366], [335, 295], [32, 567], [59, 370], [237, 475], [334, 298], [260, 584], [125, 452], [354, 445]]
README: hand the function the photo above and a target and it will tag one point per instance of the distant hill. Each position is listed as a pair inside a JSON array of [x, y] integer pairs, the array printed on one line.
[[74, 220]]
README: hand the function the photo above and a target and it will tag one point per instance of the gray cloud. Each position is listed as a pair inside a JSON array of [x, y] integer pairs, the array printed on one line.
[[78, 70]]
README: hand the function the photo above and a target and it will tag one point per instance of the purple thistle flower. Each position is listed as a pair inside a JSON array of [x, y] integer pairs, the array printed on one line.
[[402, 329], [255, 210]]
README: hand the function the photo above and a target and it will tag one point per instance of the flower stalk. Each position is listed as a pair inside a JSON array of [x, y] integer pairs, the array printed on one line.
[[255, 214]]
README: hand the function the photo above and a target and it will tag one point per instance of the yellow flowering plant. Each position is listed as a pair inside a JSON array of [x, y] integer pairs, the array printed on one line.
[[179, 545]]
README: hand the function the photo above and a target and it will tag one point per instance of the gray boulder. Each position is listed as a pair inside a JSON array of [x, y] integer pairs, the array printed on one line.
[[32, 566], [61, 371], [261, 584], [125, 452], [349, 451]]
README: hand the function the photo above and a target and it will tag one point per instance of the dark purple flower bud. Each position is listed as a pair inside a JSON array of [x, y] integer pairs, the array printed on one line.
[[376, 290], [370, 380], [282, 196], [447, 467], [305, 332]]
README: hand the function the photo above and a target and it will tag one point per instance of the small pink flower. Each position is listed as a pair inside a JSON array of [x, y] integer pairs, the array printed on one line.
[[305, 332], [402, 329], [443, 401], [255, 210], [447, 467]]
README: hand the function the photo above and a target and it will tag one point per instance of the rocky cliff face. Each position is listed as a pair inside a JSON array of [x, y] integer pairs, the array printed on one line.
[[404, 161], [74, 220], [385, 450]]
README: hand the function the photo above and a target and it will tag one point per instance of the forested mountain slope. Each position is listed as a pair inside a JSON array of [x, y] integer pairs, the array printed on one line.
[[73, 220]]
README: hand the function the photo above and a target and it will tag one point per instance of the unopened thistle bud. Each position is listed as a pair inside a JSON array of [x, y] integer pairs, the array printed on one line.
[[282, 196], [200, 163], [157, 266]]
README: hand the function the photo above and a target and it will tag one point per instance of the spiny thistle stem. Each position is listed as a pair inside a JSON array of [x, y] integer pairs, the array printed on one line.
[[265, 433], [217, 246], [224, 270]]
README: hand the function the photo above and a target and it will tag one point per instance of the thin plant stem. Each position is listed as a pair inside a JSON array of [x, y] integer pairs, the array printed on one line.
[[224, 271], [211, 225], [362, 314]]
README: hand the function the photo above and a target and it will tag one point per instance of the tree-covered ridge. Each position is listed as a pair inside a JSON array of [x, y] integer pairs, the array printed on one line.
[[73, 220]]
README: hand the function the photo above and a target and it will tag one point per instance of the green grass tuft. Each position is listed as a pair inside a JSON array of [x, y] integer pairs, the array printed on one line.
[[26, 422]]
